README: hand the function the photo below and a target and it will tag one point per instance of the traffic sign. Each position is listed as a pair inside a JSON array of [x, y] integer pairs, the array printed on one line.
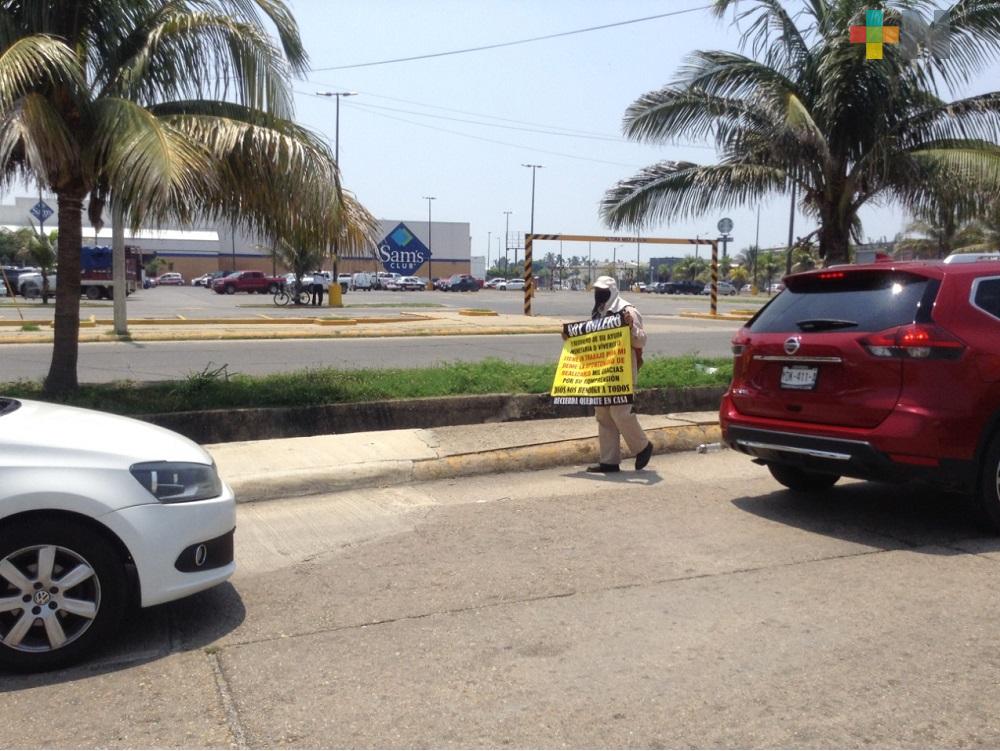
[[725, 225], [41, 211]]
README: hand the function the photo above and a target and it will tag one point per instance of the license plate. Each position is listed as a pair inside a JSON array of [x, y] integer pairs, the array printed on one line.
[[802, 377]]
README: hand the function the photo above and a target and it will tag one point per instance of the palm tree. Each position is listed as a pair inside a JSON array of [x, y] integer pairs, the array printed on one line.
[[689, 268], [805, 110], [769, 265], [354, 227], [165, 109], [984, 233], [40, 250]]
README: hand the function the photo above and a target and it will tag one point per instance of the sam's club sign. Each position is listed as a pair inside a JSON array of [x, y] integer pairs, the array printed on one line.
[[402, 252]]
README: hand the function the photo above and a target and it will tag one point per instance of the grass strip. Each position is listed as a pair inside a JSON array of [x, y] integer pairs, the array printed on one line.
[[219, 389]]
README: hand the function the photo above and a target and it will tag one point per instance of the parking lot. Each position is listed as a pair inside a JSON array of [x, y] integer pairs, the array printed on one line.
[[196, 302], [695, 604]]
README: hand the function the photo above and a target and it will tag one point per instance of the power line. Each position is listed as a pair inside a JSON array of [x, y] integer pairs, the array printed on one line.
[[550, 130], [356, 105], [492, 125], [464, 112], [519, 41]]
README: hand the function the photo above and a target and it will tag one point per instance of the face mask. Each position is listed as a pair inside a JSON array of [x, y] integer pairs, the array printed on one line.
[[601, 296]]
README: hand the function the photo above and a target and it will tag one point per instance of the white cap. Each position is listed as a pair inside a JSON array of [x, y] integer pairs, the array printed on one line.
[[604, 282]]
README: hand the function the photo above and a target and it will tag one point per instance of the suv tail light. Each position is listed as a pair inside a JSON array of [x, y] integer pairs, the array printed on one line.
[[741, 345], [917, 342]]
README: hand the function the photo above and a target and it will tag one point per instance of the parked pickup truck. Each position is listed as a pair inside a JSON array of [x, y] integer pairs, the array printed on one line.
[[682, 288], [246, 281]]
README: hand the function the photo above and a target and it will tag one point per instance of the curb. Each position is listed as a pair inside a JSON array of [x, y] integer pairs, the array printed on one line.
[[348, 332], [405, 471]]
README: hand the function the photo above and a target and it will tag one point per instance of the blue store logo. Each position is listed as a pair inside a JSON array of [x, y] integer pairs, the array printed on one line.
[[401, 252]]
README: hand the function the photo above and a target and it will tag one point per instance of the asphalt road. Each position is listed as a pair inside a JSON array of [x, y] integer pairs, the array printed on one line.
[[695, 604], [154, 361]]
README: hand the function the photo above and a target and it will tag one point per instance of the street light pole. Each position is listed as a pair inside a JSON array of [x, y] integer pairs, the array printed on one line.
[[335, 286], [528, 273], [791, 230], [533, 168], [430, 248], [489, 243], [506, 234]]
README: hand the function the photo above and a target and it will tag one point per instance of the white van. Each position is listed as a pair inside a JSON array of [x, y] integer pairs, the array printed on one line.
[[362, 280]]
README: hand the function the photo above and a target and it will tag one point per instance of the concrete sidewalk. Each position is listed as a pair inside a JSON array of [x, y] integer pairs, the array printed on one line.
[[290, 467]]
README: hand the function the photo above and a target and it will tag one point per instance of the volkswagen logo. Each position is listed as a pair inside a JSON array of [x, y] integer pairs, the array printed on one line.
[[41, 597], [792, 345]]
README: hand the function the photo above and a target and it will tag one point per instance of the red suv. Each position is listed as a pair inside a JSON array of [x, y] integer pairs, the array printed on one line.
[[886, 371]]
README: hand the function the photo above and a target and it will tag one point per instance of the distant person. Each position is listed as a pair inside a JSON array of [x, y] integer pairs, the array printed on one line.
[[317, 288], [618, 420]]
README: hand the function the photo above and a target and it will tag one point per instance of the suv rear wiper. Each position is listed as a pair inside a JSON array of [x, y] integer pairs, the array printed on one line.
[[822, 324]]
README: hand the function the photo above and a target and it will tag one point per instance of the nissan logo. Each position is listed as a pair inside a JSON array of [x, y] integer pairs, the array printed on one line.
[[792, 345]]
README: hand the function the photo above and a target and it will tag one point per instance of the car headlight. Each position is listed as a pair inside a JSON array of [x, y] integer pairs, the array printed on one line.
[[178, 482]]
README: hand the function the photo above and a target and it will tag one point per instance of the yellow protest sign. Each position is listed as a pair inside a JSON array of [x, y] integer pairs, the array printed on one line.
[[595, 366]]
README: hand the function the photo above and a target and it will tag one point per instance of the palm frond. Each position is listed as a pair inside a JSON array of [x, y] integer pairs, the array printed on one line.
[[155, 170], [35, 140], [283, 22], [677, 190], [196, 55], [968, 40], [33, 62], [967, 161]]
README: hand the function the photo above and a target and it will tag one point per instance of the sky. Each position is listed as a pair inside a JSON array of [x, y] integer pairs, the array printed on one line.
[[459, 127]]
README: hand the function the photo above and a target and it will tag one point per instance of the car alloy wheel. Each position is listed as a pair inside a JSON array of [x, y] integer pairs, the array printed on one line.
[[989, 484], [51, 598], [62, 592]]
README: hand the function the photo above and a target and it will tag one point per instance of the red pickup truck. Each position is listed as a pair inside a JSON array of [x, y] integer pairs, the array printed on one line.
[[246, 281]]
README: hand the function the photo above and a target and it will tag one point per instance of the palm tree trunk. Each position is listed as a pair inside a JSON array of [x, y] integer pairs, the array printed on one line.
[[834, 241], [62, 377]]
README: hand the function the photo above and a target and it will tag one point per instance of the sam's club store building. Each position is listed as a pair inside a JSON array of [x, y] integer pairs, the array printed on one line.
[[407, 248]]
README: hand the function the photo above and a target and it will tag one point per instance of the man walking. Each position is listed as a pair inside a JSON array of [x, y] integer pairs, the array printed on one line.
[[618, 421]]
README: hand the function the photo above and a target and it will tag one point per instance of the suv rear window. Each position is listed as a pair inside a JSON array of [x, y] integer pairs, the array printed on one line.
[[863, 301], [987, 296]]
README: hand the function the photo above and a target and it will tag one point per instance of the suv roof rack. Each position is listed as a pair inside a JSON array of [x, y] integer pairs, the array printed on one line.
[[972, 257]]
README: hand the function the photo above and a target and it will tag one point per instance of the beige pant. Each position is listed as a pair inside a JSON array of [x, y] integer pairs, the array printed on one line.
[[614, 422]]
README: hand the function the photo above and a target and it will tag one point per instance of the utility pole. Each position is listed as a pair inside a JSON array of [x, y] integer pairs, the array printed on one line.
[[791, 230], [506, 235], [335, 299], [756, 252], [489, 243], [430, 249]]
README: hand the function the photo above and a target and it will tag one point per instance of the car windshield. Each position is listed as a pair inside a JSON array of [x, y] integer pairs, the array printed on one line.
[[8, 405]]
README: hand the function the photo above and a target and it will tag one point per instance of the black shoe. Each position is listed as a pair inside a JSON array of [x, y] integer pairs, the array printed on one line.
[[642, 458], [605, 468]]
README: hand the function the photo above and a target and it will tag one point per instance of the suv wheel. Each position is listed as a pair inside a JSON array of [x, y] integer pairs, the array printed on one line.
[[230, 289], [62, 593], [989, 483], [801, 480]]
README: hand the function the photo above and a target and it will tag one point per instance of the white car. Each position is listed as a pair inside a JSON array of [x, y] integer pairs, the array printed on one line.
[[30, 285], [513, 284], [408, 283], [97, 511], [722, 288]]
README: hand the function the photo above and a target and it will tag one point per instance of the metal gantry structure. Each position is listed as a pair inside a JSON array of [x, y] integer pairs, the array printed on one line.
[[531, 237]]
